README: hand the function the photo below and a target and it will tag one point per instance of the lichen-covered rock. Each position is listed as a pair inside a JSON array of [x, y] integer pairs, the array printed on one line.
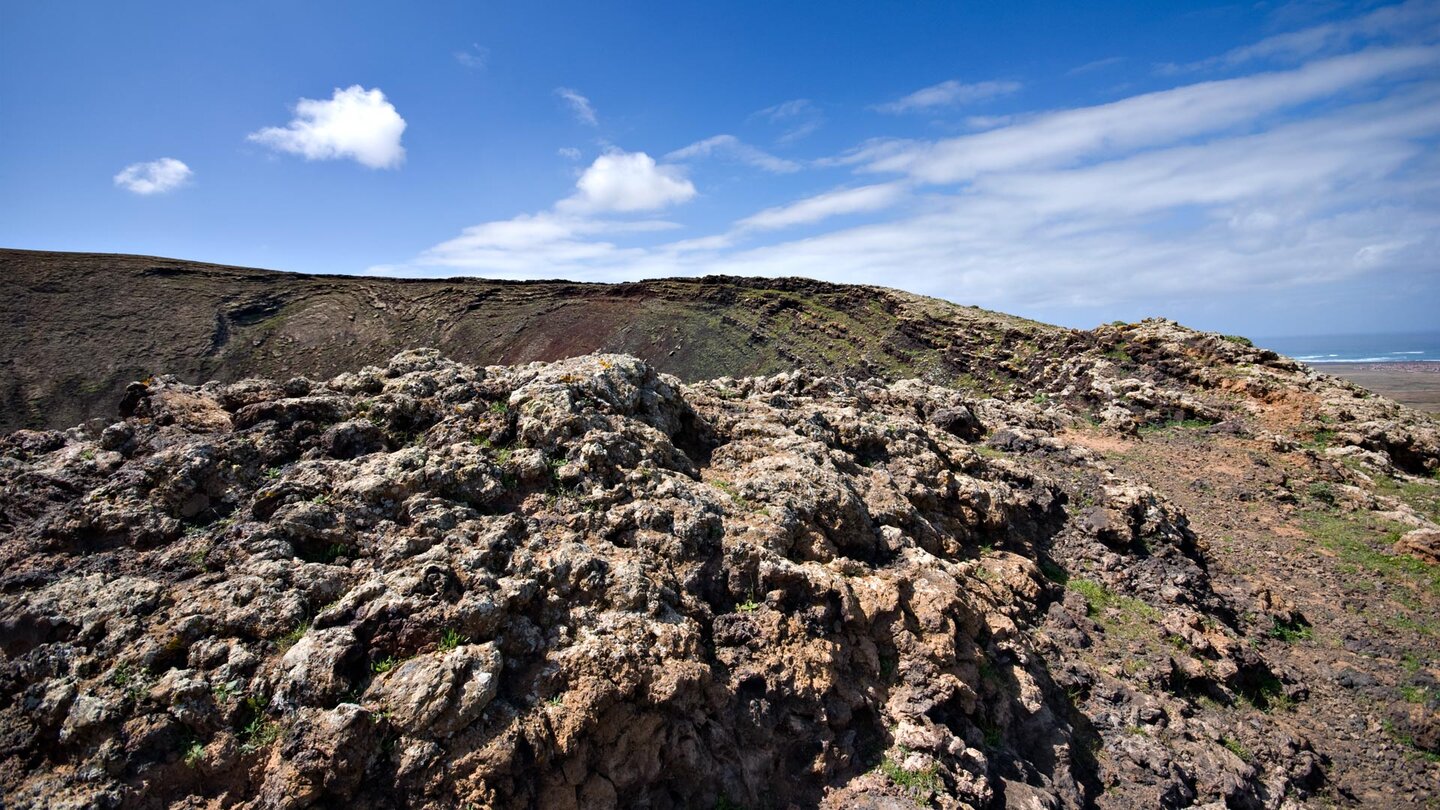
[[584, 584], [440, 693]]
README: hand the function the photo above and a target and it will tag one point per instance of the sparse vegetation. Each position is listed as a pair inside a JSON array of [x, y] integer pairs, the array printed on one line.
[[450, 639], [734, 495], [260, 733], [1236, 748], [335, 551], [289, 640], [1321, 491], [1175, 424], [223, 692], [1362, 540], [1289, 631], [919, 784]]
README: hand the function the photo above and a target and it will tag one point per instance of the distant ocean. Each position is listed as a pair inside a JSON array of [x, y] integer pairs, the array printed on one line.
[[1406, 347]]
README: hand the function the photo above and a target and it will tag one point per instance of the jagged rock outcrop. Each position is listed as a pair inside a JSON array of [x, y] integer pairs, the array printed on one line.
[[586, 584]]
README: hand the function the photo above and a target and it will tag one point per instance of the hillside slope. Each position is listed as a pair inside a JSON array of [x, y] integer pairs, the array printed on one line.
[[79, 327], [1140, 566]]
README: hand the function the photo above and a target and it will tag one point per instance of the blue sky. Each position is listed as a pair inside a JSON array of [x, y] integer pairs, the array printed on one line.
[[1265, 168]]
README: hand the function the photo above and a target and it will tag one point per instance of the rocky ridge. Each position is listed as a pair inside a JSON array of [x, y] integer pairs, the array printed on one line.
[[587, 584]]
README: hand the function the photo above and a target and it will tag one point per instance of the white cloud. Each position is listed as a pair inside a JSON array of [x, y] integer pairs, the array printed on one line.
[[474, 57], [823, 206], [734, 148], [568, 152], [794, 108], [575, 238], [1334, 197], [154, 177], [1240, 189], [800, 117], [579, 105], [1098, 64], [948, 94], [628, 181], [355, 123], [1148, 120], [1412, 21], [550, 244]]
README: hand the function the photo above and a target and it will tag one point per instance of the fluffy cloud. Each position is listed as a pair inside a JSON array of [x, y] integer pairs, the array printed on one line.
[[154, 177], [575, 238], [948, 94], [626, 182], [735, 149], [579, 105], [355, 123]]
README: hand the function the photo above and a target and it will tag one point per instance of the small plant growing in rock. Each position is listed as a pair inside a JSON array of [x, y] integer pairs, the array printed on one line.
[[1289, 631], [259, 733], [734, 495], [499, 408], [991, 734], [748, 606], [198, 556], [919, 784], [384, 665], [451, 639], [194, 753], [335, 551], [1236, 748], [1321, 491], [223, 691], [291, 638], [272, 473]]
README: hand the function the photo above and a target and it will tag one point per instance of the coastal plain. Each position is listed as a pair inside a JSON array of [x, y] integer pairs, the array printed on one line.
[[1413, 384]]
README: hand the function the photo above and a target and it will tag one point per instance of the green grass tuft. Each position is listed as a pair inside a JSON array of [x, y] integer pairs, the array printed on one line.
[[451, 639]]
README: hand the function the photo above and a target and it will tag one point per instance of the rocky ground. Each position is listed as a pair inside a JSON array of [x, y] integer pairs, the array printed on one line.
[[1165, 569]]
